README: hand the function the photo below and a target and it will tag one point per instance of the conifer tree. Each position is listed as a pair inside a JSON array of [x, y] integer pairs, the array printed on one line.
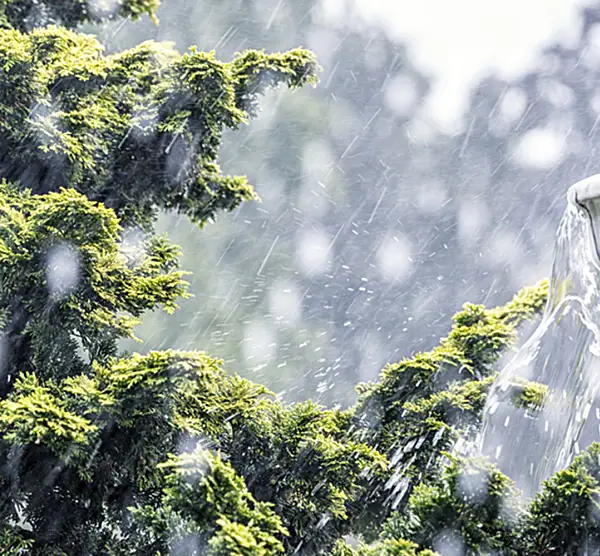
[[110, 453]]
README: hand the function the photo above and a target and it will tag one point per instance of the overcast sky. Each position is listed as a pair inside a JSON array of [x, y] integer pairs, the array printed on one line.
[[458, 41]]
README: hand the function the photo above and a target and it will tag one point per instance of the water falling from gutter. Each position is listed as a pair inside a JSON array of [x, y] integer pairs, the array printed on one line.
[[538, 406]]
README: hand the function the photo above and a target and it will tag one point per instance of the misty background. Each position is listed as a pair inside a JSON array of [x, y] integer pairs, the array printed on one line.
[[427, 169]]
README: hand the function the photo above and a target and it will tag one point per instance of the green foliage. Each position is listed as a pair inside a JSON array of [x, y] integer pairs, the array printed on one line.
[[45, 319], [528, 395], [205, 493], [387, 547], [565, 517], [300, 458], [120, 422], [422, 406], [477, 339], [138, 130], [83, 445], [472, 502], [13, 542], [35, 415], [27, 14]]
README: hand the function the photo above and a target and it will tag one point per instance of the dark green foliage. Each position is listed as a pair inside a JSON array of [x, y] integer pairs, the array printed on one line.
[[84, 445], [27, 14], [565, 517], [105, 433], [13, 543], [206, 505], [475, 507], [43, 322], [472, 502]]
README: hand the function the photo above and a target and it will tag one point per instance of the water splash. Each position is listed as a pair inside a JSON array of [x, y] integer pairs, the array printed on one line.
[[539, 404]]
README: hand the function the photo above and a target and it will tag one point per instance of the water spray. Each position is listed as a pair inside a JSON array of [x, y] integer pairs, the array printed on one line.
[[538, 407], [585, 195]]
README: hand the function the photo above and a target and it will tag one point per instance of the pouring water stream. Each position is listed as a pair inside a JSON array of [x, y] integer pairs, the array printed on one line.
[[529, 444]]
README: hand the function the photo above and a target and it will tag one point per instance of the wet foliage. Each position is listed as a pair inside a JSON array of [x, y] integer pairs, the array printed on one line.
[[138, 130], [28, 14]]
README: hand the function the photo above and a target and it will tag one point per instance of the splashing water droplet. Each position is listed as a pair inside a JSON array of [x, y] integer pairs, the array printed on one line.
[[62, 270]]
